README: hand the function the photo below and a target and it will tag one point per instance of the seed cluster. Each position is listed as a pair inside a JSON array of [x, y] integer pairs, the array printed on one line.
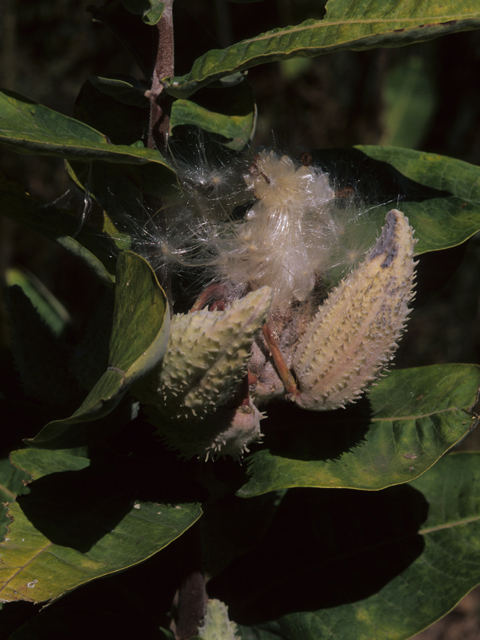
[[269, 337]]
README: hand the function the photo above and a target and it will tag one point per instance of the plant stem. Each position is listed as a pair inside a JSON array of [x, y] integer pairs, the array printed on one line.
[[164, 67], [191, 606], [191, 598], [283, 371]]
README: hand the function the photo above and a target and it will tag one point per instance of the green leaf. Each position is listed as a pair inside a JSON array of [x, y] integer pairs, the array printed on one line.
[[74, 527], [347, 25], [410, 420], [124, 89], [11, 481], [356, 565], [441, 222], [11, 484], [28, 127], [439, 195], [141, 319], [139, 338], [231, 114], [50, 309], [38, 463]]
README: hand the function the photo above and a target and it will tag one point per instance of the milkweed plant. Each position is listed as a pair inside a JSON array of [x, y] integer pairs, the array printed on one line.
[[228, 422]]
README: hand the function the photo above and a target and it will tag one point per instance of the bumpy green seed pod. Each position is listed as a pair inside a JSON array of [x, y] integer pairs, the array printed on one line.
[[193, 397], [355, 331]]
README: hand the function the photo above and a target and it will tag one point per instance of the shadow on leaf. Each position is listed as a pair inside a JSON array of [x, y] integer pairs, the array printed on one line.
[[324, 549], [291, 432], [77, 508]]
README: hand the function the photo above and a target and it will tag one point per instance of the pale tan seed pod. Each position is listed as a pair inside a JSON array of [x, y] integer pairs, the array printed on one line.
[[216, 624], [355, 331]]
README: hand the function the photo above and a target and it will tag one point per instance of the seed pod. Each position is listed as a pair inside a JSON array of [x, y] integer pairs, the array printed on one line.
[[193, 397], [355, 331], [216, 624]]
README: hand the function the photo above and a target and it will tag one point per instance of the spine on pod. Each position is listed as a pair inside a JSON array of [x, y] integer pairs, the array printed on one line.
[[356, 330]]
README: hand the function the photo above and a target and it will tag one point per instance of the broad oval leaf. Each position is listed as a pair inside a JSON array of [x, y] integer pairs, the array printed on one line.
[[440, 222], [356, 565], [74, 527], [347, 25], [28, 127], [138, 341], [410, 420]]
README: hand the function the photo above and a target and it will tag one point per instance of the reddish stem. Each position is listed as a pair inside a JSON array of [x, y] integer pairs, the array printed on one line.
[[191, 597], [283, 371], [192, 601], [164, 67]]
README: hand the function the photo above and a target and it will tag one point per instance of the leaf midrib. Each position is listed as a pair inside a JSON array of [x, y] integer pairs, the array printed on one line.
[[327, 23], [18, 570], [448, 525], [8, 492], [419, 416]]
